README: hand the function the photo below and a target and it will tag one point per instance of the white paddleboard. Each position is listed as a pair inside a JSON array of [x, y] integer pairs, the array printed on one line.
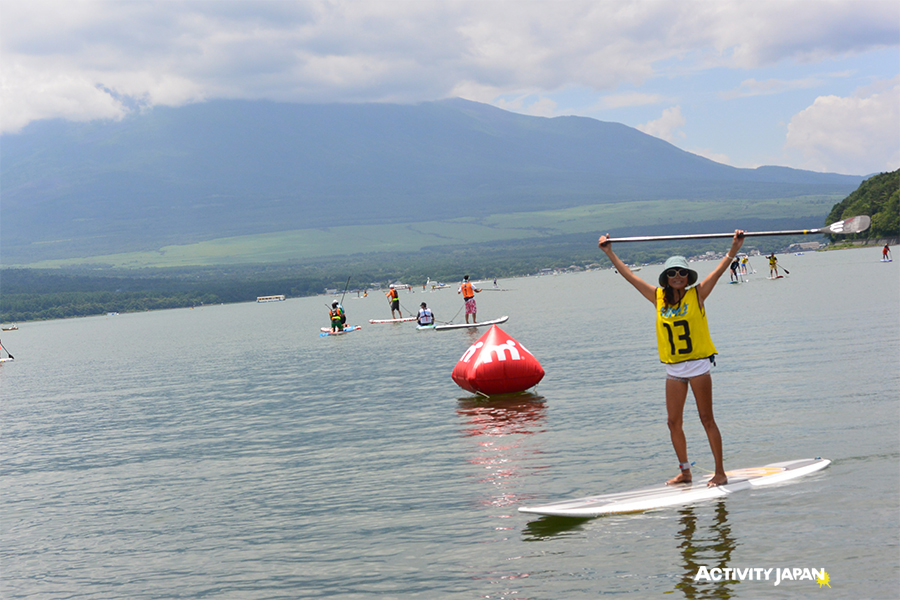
[[465, 325], [425, 327], [662, 495], [887, 260], [404, 319], [3, 360]]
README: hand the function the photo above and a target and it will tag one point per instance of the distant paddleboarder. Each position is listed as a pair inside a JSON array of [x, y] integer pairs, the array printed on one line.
[[394, 298], [685, 346], [885, 253], [773, 266], [425, 316], [468, 292], [338, 316]]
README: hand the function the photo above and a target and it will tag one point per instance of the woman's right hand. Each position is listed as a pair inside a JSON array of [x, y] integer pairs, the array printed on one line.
[[604, 243]]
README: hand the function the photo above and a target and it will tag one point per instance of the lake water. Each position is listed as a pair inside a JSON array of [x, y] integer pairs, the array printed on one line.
[[230, 452]]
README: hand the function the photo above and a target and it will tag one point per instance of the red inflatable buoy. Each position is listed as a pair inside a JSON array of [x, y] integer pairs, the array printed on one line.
[[497, 364]]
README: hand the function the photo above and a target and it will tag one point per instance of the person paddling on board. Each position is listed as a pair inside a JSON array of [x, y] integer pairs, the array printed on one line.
[[468, 293], [338, 316], [773, 266], [734, 269], [426, 317], [682, 335], [885, 252], [394, 298]]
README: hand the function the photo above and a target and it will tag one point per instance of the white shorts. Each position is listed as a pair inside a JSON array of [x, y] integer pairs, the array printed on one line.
[[683, 371]]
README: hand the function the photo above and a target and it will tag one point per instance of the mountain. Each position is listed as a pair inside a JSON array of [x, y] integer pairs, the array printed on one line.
[[231, 168]]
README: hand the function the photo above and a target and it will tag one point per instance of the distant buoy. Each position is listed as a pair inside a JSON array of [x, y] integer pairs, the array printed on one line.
[[497, 364]]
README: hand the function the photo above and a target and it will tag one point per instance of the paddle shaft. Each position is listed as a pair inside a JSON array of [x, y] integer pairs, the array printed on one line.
[[345, 290], [852, 225], [710, 236]]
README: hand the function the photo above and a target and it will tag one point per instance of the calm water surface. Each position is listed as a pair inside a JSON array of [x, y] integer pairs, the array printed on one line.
[[229, 452]]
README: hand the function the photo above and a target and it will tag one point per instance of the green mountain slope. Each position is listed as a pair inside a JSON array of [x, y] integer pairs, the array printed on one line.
[[878, 197]]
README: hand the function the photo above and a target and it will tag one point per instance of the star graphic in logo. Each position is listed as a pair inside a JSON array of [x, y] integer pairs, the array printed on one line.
[[824, 580]]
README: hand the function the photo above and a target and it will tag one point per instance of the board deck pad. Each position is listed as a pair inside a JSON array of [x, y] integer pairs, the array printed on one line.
[[502, 319], [327, 331], [662, 495]]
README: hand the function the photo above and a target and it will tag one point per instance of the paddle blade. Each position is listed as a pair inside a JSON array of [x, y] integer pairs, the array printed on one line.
[[853, 225]]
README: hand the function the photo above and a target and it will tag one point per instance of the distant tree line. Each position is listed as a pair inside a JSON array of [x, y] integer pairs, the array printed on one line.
[[38, 294]]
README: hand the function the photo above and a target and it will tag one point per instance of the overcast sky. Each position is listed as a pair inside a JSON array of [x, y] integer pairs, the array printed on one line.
[[811, 84]]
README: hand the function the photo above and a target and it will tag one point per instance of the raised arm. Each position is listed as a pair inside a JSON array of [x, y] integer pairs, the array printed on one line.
[[706, 286], [647, 291]]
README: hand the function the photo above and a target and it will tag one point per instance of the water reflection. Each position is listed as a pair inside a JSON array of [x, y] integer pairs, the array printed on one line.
[[548, 527], [709, 545], [503, 430], [499, 425]]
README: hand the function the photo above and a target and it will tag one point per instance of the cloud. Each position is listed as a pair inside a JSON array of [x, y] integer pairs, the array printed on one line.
[[752, 87], [629, 99], [56, 52], [666, 127], [856, 135], [541, 107]]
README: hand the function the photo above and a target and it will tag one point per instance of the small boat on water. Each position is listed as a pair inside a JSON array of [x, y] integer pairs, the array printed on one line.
[[12, 327]]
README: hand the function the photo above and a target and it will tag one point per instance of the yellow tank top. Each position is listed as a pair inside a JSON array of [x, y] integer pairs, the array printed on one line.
[[681, 331]]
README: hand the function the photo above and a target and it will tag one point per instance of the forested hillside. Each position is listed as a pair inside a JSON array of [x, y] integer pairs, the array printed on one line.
[[878, 197]]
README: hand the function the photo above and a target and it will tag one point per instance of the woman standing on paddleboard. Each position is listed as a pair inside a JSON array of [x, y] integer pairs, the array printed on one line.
[[684, 346]]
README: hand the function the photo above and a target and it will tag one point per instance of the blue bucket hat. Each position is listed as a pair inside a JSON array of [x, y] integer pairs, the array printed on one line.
[[678, 262]]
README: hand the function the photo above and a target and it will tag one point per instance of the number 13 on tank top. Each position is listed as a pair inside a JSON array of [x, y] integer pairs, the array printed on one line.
[[685, 336]]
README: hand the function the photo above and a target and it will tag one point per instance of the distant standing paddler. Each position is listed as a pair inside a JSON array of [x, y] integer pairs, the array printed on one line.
[[885, 253], [468, 293], [394, 298], [773, 265]]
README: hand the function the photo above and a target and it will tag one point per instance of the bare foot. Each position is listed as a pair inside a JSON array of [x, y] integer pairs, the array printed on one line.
[[682, 478], [717, 480]]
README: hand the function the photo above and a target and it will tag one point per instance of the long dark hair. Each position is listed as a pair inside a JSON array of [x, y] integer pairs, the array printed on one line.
[[669, 296]]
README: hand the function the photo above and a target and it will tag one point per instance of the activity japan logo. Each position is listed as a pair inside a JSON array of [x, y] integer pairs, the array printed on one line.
[[774, 574]]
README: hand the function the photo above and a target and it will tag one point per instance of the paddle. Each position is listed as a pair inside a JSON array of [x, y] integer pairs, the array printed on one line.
[[345, 290], [853, 225], [8, 354]]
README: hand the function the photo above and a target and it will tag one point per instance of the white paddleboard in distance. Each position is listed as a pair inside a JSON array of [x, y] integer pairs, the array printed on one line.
[[403, 320], [662, 495], [503, 319]]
